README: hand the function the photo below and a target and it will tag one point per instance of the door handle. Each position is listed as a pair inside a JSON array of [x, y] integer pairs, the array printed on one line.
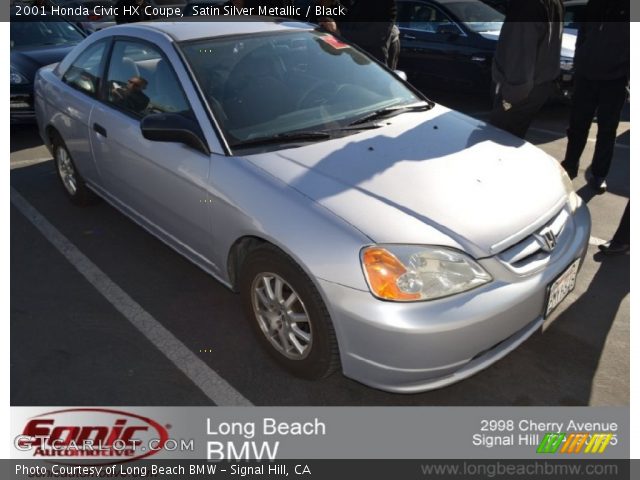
[[407, 36], [100, 129]]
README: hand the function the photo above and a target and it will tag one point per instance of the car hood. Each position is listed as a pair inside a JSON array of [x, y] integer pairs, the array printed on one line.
[[28, 61], [436, 177]]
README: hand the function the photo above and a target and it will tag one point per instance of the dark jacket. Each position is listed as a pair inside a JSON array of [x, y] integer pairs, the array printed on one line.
[[528, 51], [602, 48], [369, 24]]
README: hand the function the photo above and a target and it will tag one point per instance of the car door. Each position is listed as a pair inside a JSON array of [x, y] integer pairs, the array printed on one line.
[[426, 52], [76, 103], [162, 184], [434, 46]]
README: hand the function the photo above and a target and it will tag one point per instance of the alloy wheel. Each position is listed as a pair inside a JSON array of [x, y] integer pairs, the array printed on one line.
[[281, 315]]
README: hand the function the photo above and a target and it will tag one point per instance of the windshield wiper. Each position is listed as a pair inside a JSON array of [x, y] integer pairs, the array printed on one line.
[[392, 111], [299, 136]]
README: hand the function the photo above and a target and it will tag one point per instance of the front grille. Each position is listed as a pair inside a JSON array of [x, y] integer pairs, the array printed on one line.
[[533, 252]]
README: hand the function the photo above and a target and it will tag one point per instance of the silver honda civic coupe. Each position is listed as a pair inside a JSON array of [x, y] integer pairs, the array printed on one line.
[[365, 227]]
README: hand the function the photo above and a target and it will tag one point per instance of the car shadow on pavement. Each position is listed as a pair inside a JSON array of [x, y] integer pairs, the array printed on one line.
[[581, 331], [559, 367], [617, 184]]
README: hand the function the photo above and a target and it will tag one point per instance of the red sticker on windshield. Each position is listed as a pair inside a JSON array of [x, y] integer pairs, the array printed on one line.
[[334, 42]]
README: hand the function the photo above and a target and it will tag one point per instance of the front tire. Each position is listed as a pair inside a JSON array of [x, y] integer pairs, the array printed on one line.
[[72, 182], [287, 314]]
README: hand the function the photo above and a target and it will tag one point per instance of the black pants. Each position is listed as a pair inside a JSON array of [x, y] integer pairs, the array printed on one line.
[[606, 97], [623, 234], [518, 118]]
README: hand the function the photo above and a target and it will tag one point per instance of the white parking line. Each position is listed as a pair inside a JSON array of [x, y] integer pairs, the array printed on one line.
[[595, 241], [212, 384], [28, 163]]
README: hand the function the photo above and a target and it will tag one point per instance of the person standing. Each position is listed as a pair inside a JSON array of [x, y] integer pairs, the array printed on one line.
[[394, 48], [621, 241], [601, 76], [370, 26], [526, 62]]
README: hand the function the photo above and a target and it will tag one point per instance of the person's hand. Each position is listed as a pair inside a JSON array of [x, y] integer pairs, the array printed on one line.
[[329, 25]]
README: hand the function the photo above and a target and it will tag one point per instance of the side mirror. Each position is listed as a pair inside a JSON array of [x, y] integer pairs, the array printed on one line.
[[401, 74], [450, 29], [173, 127]]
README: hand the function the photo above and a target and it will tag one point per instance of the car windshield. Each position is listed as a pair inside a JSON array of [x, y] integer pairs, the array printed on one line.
[[267, 85], [38, 34], [477, 16]]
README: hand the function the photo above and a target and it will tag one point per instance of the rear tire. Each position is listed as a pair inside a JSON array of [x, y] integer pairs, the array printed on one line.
[[72, 182], [287, 313]]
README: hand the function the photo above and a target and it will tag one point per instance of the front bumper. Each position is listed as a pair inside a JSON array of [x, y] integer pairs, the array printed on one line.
[[415, 347]]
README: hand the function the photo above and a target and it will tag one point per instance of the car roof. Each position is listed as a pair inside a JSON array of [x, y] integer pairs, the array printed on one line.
[[188, 29]]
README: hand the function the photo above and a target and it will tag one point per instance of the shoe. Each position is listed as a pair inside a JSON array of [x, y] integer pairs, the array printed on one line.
[[599, 184], [571, 170], [614, 248]]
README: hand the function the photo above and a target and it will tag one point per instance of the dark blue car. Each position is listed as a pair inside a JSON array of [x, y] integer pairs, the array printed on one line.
[[451, 43], [33, 45]]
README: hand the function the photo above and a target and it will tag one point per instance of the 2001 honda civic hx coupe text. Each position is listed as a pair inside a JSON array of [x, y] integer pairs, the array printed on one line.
[[365, 227]]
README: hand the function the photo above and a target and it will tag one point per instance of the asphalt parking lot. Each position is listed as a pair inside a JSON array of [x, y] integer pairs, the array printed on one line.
[[102, 313]]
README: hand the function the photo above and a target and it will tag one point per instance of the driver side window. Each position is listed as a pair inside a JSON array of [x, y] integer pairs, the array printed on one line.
[[84, 73], [422, 16], [141, 81]]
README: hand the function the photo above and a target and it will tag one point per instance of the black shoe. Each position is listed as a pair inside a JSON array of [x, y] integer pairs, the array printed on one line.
[[599, 184], [614, 248], [571, 170]]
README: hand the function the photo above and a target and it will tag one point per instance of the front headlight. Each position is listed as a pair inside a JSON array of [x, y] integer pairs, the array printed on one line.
[[17, 78], [573, 199], [409, 273]]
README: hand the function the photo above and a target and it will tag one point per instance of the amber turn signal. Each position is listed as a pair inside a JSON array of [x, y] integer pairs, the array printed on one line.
[[383, 270]]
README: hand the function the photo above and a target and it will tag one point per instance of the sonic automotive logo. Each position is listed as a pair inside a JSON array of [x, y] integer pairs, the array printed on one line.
[[92, 432]]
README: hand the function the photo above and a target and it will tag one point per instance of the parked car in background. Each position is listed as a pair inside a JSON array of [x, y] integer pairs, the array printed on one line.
[[33, 45], [451, 43], [365, 227]]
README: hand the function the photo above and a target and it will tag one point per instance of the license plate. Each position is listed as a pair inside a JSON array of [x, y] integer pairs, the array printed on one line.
[[561, 287]]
